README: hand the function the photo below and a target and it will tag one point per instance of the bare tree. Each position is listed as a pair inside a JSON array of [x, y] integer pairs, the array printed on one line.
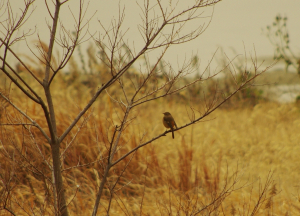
[[163, 26]]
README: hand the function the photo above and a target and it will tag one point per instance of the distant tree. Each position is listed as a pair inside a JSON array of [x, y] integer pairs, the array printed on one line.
[[279, 37]]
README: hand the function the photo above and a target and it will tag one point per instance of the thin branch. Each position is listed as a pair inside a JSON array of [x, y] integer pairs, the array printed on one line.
[[171, 82], [39, 150], [24, 65], [77, 132], [26, 116]]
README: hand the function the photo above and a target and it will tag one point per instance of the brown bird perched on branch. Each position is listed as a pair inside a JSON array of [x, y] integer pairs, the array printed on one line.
[[169, 122]]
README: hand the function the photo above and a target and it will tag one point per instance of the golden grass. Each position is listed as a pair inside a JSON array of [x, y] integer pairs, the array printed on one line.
[[167, 176]]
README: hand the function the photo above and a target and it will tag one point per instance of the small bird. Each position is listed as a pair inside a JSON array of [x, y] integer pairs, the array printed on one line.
[[169, 122]]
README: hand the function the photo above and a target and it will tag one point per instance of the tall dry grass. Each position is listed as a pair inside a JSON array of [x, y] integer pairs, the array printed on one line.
[[238, 162]]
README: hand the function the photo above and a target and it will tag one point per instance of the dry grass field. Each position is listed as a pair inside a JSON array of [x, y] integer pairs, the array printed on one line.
[[241, 161], [81, 132]]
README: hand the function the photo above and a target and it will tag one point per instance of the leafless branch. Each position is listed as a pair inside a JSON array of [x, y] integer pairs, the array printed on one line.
[[26, 116]]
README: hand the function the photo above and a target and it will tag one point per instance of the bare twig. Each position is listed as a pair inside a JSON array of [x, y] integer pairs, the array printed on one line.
[[26, 116]]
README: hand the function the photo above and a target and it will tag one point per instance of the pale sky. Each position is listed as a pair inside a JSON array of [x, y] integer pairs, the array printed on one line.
[[235, 23]]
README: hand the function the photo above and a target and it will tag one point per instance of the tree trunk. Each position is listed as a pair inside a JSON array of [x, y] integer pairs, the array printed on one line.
[[60, 193]]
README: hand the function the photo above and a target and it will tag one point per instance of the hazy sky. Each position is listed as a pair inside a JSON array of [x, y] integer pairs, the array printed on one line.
[[235, 23]]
